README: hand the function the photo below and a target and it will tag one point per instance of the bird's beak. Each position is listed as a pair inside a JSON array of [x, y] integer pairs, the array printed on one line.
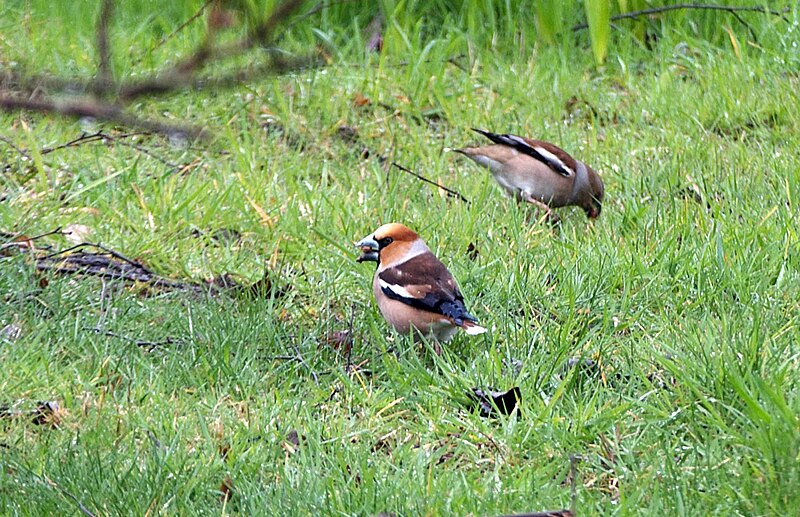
[[369, 249], [593, 211]]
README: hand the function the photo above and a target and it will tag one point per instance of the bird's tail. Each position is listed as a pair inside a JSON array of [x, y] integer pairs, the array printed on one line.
[[472, 329]]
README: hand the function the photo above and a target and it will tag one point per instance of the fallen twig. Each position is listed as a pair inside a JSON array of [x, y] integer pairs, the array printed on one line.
[[99, 246], [573, 483], [450, 192], [86, 138], [16, 90], [111, 264], [10, 143], [298, 357], [304, 363], [18, 240], [148, 345], [101, 136], [74, 499]]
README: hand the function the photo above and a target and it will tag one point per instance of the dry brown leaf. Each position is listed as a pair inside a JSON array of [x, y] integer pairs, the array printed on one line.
[[226, 489], [359, 100]]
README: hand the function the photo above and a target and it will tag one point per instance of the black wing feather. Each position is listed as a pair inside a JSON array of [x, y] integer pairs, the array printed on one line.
[[520, 145], [444, 297]]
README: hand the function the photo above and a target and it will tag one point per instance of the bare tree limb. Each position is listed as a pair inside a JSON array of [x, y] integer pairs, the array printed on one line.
[[182, 26], [98, 110], [183, 72], [18, 92], [104, 79], [676, 7]]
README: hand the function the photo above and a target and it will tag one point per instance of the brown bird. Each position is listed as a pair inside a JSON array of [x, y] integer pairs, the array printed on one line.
[[539, 172], [414, 290]]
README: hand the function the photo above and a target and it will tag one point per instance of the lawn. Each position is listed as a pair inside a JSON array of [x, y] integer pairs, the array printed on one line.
[[656, 349]]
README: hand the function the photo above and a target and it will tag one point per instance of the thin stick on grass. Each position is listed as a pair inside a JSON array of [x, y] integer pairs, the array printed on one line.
[[39, 236], [86, 138], [20, 151], [149, 345], [450, 192], [302, 361], [20, 241], [573, 482], [102, 136], [298, 357], [67, 494]]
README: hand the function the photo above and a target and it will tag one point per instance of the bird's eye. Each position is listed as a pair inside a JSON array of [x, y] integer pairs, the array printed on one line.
[[385, 241]]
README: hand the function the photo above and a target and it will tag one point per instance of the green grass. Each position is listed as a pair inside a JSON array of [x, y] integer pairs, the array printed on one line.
[[691, 310]]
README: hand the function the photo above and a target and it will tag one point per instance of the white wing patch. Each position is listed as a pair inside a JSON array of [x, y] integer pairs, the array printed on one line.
[[399, 290], [518, 140], [553, 158]]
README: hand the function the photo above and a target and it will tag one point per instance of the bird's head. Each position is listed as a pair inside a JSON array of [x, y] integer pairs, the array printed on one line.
[[387, 243], [593, 198]]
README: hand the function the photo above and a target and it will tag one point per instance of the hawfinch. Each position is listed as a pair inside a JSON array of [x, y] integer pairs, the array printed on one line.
[[539, 173], [414, 290]]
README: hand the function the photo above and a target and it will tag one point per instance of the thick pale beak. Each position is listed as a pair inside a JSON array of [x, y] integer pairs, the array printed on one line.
[[593, 210], [369, 250]]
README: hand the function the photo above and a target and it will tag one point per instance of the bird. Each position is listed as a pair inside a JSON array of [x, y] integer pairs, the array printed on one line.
[[413, 289], [539, 172]]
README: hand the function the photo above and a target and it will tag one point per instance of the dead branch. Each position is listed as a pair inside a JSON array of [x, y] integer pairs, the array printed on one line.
[[20, 151], [104, 79], [98, 110], [20, 241], [18, 92], [183, 72], [450, 192], [183, 25], [115, 254], [112, 265], [298, 358], [706, 7], [99, 136]]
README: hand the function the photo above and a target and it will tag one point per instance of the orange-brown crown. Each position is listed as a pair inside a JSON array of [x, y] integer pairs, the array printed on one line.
[[394, 241], [398, 232]]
